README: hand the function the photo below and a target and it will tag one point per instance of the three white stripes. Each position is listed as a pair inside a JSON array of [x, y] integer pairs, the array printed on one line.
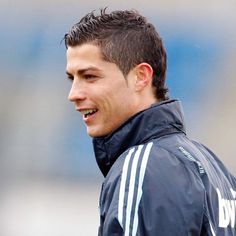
[[132, 187]]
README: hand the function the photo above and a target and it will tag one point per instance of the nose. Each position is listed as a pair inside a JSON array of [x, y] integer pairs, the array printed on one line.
[[76, 92]]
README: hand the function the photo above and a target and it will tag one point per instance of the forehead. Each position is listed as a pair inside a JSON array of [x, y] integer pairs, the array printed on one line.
[[83, 56]]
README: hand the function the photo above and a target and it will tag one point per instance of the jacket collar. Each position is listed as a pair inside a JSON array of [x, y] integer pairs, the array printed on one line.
[[158, 120]]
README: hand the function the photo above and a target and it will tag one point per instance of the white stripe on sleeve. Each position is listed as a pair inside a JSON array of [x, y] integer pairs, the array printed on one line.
[[122, 187], [131, 189], [140, 183], [212, 231]]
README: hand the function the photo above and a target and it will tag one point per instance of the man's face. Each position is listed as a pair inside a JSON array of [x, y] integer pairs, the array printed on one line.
[[99, 90]]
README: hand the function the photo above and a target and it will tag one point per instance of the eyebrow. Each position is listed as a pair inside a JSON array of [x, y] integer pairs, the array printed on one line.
[[83, 71]]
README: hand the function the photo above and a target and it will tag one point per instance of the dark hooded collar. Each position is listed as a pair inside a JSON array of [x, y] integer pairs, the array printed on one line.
[[158, 120]]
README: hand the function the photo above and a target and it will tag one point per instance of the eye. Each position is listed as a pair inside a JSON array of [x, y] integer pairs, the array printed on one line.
[[70, 77], [90, 77]]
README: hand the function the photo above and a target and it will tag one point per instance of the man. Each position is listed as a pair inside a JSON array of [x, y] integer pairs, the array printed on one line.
[[157, 181]]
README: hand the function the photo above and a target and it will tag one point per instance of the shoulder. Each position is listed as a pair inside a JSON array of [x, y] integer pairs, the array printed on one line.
[[168, 171], [153, 165], [153, 159]]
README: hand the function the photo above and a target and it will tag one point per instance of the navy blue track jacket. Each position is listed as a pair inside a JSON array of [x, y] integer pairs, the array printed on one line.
[[158, 182]]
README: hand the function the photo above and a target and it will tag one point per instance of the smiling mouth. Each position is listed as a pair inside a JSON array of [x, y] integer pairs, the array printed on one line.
[[88, 112]]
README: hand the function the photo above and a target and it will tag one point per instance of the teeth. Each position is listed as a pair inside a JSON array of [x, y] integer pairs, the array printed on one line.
[[88, 111]]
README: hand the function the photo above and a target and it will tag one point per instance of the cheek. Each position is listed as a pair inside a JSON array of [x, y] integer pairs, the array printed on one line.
[[107, 98], [114, 101], [121, 108]]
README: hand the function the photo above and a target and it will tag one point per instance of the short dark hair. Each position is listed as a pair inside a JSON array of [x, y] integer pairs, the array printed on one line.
[[126, 39]]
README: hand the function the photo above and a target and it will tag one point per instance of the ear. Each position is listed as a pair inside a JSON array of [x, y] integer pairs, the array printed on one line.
[[143, 76]]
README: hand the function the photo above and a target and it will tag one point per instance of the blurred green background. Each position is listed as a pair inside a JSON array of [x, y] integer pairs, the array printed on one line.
[[48, 176]]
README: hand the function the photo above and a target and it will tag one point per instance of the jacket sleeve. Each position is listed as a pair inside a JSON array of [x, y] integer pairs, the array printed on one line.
[[155, 195]]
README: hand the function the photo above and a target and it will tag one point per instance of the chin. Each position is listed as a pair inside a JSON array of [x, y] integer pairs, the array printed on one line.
[[97, 133], [94, 135]]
